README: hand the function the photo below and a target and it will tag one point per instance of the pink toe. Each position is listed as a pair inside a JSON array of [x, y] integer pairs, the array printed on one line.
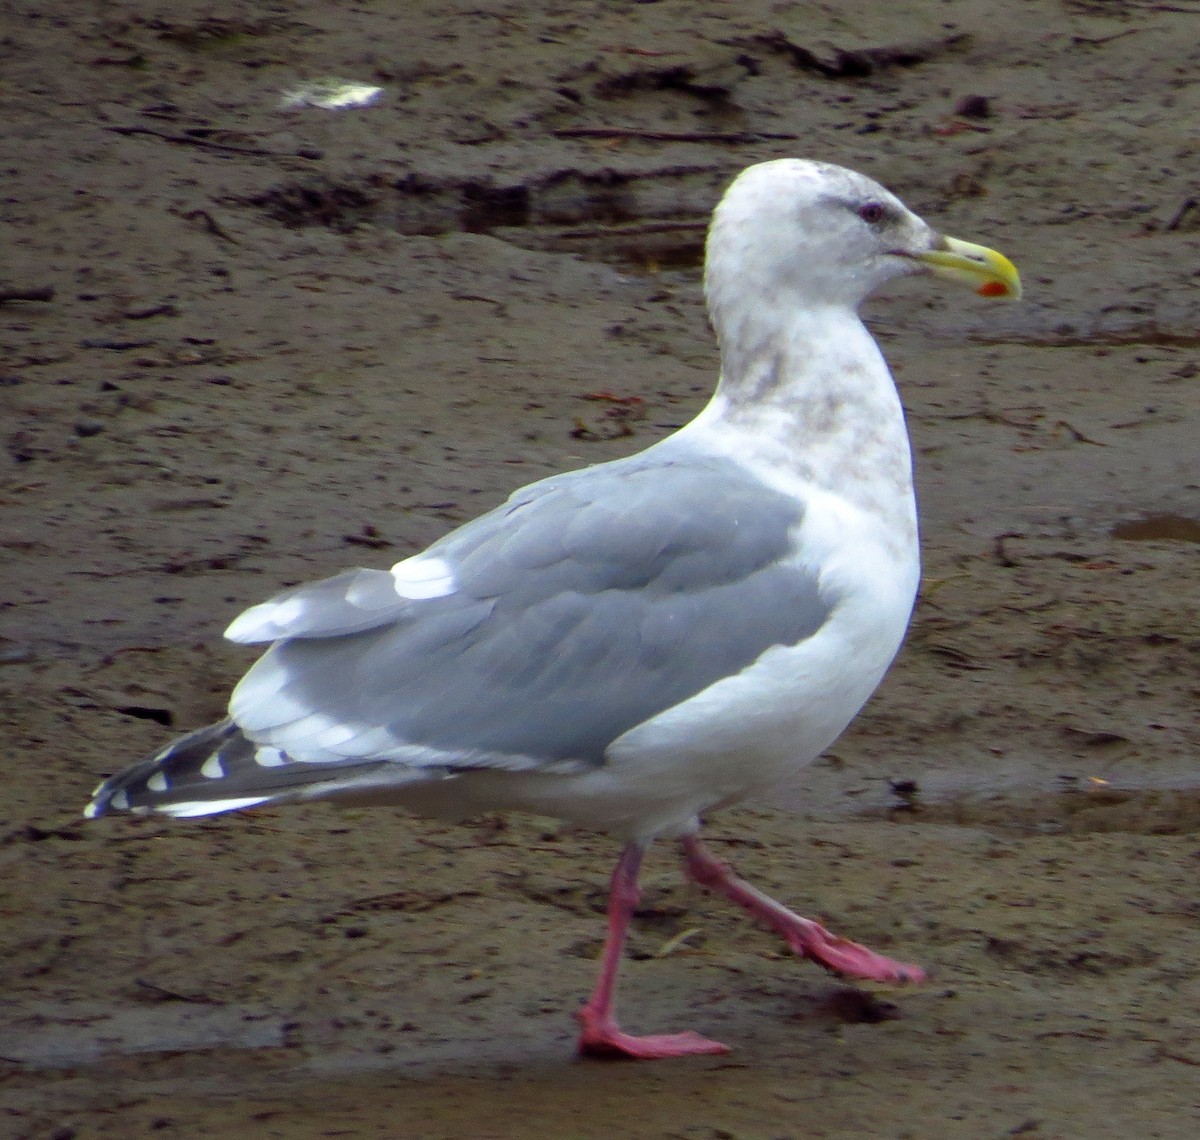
[[606, 1040]]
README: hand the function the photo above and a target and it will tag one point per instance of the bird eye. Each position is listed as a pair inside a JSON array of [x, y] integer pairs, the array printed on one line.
[[872, 213]]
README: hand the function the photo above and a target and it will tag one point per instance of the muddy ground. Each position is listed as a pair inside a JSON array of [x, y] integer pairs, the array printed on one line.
[[284, 341]]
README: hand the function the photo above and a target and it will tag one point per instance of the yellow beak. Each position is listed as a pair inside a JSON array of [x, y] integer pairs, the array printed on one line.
[[991, 273]]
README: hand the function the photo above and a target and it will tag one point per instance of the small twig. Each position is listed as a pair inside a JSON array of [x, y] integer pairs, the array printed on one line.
[[669, 136], [32, 293], [164, 309], [1100, 41], [164, 994], [210, 223], [194, 140], [1181, 211], [1076, 434], [673, 944], [213, 144], [1182, 1058]]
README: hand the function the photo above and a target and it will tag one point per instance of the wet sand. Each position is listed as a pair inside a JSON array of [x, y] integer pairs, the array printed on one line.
[[282, 342]]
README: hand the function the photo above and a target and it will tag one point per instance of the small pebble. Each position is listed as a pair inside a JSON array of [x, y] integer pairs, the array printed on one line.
[[974, 107]]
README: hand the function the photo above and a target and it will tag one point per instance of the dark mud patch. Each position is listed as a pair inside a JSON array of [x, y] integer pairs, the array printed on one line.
[[1158, 528], [654, 218], [834, 62]]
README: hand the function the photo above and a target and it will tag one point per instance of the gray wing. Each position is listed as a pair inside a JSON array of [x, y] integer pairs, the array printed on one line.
[[582, 607]]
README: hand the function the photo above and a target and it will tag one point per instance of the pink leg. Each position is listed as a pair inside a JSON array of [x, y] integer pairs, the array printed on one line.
[[601, 1036], [808, 939]]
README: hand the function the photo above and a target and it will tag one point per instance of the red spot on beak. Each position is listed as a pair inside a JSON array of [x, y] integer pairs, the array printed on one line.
[[993, 289]]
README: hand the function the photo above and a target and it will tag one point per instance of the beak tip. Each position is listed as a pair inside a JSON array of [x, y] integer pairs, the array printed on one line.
[[996, 289]]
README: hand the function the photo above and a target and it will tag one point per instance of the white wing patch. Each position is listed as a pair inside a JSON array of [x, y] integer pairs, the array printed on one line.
[[422, 577], [192, 808], [212, 768], [267, 621], [267, 757]]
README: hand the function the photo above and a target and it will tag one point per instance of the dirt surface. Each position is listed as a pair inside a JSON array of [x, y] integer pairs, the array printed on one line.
[[284, 341]]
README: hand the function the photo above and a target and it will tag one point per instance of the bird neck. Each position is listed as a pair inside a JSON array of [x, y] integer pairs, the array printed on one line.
[[807, 363], [807, 395]]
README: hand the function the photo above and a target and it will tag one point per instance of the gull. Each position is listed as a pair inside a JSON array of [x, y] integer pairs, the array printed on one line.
[[631, 646]]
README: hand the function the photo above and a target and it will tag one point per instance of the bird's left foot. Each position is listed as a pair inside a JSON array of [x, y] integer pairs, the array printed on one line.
[[807, 938], [811, 940]]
